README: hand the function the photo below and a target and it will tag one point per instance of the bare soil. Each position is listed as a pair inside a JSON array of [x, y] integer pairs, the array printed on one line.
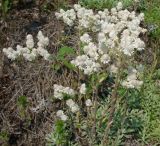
[[34, 80]]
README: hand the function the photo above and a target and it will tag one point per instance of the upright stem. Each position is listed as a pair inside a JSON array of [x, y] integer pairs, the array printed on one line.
[[114, 98], [94, 116]]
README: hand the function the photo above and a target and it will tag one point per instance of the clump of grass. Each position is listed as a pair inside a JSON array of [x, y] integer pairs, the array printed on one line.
[[101, 4], [4, 136], [152, 17], [151, 106]]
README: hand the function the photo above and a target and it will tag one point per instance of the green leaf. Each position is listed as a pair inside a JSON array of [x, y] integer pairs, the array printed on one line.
[[60, 126], [102, 77], [22, 101], [56, 66], [4, 136], [69, 65], [5, 5], [65, 51]]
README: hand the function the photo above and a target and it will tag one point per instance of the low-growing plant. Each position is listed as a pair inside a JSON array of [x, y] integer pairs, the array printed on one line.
[[100, 60], [61, 59], [22, 105], [4, 136], [59, 136]]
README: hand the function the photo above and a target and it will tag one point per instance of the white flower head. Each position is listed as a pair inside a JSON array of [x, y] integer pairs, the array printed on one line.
[[72, 105], [83, 89], [10, 53], [29, 41], [59, 91], [77, 7], [105, 59], [101, 37], [74, 108], [43, 41], [119, 6], [85, 38], [70, 102], [61, 115], [132, 80], [88, 103], [113, 11]]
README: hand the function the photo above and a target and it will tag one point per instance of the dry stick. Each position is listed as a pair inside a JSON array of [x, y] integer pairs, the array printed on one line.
[[112, 110]]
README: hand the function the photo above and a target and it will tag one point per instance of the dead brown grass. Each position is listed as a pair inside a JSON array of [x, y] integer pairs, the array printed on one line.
[[33, 80]]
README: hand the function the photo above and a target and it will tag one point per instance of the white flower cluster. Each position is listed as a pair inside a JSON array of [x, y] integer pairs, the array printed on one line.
[[74, 108], [42, 43], [29, 52], [29, 41], [117, 31], [59, 91], [132, 81], [68, 16], [87, 19], [85, 38], [91, 50], [61, 115], [86, 64], [83, 89], [72, 105]]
